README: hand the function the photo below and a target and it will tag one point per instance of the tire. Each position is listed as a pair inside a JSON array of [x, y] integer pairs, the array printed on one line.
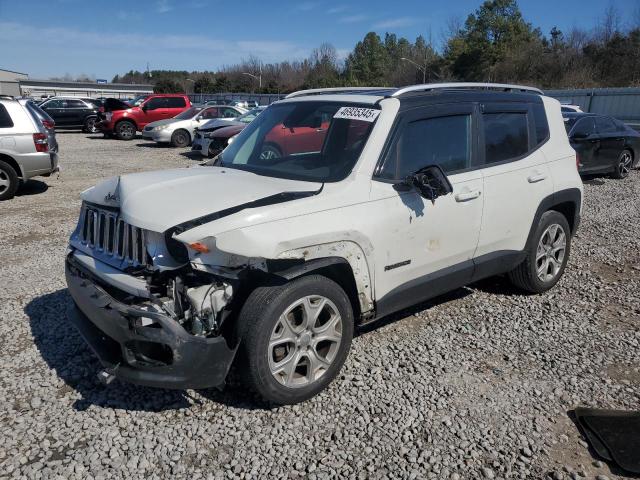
[[90, 125], [527, 276], [180, 138], [125, 130], [266, 369], [270, 151], [9, 181], [624, 165]]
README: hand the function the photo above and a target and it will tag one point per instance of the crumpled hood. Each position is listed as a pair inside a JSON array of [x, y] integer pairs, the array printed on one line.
[[219, 123], [163, 199]]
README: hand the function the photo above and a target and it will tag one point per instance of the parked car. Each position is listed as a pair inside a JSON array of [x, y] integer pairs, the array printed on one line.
[[209, 145], [275, 261], [569, 108], [47, 122], [603, 144], [72, 112], [179, 130], [123, 120], [24, 146]]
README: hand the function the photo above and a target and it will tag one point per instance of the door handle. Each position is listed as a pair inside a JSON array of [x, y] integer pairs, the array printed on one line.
[[466, 196], [536, 177]]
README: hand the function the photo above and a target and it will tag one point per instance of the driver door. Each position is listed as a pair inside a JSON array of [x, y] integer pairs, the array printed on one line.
[[426, 248]]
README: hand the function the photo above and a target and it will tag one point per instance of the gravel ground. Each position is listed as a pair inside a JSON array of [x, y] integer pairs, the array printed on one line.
[[477, 384]]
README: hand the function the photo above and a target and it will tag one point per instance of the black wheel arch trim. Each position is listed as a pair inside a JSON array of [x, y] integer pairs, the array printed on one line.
[[572, 196]]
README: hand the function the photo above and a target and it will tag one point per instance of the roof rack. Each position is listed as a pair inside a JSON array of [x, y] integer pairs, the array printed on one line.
[[321, 91], [464, 86]]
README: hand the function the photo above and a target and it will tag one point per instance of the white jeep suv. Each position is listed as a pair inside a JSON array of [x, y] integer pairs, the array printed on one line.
[[332, 209]]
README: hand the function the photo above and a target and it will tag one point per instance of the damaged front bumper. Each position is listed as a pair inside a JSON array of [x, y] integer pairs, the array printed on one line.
[[140, 346]]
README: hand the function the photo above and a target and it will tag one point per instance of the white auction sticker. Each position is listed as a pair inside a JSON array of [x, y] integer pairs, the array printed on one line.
[[357, 113]]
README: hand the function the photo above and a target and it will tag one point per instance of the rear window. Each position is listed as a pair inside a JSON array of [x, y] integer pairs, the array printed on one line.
[[176, 102], [5, 118], [506, 136], [605, 125]]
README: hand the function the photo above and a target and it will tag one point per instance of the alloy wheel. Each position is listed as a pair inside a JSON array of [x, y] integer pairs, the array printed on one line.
[[550, 252], [305, 341], [4, 181], [624, 166]]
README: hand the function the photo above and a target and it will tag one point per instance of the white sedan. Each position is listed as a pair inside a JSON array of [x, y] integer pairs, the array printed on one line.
[[178, 131]]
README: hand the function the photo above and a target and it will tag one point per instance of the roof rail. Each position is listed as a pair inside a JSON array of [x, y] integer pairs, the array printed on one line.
[[7, 97], [320, 91], [466, 85]]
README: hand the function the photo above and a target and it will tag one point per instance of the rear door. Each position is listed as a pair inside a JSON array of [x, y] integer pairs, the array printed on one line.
[[611, 142], [175, 106], [586, 142], [76, 111], [516, 179]]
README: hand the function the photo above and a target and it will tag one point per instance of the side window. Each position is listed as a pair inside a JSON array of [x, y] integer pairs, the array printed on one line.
[[229, 113], [605, 125], [443, 141], [541, 123], [5, 118], [75, 104], [176, 102], [158, 102], [584, 127], [53, 104], [210, 113], [506, 136]]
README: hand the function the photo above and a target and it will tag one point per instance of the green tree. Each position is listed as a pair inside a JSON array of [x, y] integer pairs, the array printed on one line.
[[167, 86], [369, 63], [204, 84], [489, 35]]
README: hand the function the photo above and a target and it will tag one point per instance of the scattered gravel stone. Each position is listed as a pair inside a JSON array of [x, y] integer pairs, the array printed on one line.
[[473, 384]]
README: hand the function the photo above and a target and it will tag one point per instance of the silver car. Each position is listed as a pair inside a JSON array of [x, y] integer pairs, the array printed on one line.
[[25, 146], [179, 130]]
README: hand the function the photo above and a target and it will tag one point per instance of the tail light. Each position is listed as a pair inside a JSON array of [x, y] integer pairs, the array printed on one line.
[[41, 142], [49, 124], [578, 161]]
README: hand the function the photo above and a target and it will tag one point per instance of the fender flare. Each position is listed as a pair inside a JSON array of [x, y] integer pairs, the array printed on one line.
[[569, 196], [315, 257]]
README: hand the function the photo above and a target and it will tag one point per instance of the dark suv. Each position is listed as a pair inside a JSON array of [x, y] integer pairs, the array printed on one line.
[[72, 112]]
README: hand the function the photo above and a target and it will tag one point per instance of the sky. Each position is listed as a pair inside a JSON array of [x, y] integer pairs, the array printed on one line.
[[48, 38]]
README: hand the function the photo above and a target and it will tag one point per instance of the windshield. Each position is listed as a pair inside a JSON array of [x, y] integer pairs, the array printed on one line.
[[250, 115], [189, 113], [313, 141]]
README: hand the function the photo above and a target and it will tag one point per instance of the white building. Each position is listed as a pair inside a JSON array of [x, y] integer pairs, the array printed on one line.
[[10, 82]]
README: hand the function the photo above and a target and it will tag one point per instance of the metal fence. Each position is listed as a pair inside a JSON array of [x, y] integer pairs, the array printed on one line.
[[621, 103], [261, 98]]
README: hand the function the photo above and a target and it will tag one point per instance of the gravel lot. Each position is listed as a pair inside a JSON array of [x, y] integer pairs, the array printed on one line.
[[477, 384]]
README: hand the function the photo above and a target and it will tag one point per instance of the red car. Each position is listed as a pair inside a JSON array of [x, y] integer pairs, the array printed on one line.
[[123, 120]]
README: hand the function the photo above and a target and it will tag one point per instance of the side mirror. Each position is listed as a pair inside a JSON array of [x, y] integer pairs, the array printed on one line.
[[580, 136], [144, 107], [430, 182]]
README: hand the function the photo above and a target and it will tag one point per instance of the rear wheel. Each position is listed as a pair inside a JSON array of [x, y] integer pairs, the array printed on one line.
[[180, 138], [90, 125], [9, 181], [547, 255], [295, 338], [269, 152], [125, 130], [623, 167]]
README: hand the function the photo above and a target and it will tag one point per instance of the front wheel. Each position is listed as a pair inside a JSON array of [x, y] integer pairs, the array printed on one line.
[[295, 338], [125, 130], [623, 167], [180, 138], [546, 256]]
